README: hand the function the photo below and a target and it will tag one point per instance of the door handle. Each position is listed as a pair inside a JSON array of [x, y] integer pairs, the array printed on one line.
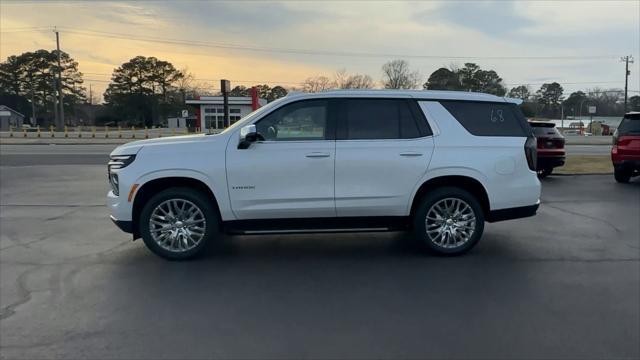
[[410, 153], [317, 155]]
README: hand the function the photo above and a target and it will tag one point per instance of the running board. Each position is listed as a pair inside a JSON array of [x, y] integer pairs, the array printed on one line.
[[310, 231], [316, 225]]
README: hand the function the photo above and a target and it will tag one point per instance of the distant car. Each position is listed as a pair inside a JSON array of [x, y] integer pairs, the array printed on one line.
[[550, 142], [625, 153], [571, 132]]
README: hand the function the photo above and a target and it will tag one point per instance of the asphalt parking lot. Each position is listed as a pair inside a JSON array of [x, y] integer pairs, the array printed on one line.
[[564, 284]]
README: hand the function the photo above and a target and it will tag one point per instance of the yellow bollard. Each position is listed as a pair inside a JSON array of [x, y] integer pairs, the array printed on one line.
[[80, 132], [173, 131], [66, 131], [133, 132], [51, 130], [93, 132], [106, 132], [159, 132], [38, 130], [146, 133], [119, 132], [24, 132]]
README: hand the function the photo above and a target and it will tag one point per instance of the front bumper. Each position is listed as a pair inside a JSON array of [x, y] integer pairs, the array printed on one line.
[[126, 226]]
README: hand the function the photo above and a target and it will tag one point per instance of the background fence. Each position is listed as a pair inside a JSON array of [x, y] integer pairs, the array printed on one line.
[[101, 132]]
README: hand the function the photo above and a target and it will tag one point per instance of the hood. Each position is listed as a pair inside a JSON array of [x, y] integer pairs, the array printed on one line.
[[133, 147]]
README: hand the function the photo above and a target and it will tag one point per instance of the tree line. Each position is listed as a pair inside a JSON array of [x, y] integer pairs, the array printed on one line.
[[145, 90]]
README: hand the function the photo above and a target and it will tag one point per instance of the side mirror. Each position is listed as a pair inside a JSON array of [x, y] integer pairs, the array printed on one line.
[[248, 134]]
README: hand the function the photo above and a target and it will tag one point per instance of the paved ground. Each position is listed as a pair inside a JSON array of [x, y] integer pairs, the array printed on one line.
[[98, 154], [564, 284]]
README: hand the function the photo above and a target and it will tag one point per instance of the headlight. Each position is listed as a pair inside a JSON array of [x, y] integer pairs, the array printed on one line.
[[117, 162], [120, 161]]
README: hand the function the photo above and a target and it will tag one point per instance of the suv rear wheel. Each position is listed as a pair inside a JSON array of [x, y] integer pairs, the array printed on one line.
[[543, 173], [178, 223], [622, 176], [449, 221]]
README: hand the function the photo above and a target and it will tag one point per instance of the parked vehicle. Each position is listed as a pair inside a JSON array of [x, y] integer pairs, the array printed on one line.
[[625, 153], [437, 163], [550, 142]]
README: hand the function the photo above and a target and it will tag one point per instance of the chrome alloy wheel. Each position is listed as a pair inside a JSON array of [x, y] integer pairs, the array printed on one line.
[[450, 223], [177, 225]]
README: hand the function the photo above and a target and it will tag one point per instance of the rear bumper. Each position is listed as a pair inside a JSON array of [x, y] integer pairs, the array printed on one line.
[[627, 165], [513, 213], [126, 226], [550, 161]]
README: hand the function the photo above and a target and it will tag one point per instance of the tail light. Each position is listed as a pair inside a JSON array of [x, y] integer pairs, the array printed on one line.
[[531, 152]]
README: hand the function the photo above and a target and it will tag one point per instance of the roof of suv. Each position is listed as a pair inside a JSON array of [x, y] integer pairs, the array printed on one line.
[[416, 94]]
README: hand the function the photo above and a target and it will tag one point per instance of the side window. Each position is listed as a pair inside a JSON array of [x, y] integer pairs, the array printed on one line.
[[303, 120], [488, 119], [381, 119]]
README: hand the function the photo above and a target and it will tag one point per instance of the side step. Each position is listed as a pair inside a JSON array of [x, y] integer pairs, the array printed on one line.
[[316, 225]]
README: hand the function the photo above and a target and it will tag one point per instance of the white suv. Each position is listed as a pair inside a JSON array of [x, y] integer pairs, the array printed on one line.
[[437, 163]]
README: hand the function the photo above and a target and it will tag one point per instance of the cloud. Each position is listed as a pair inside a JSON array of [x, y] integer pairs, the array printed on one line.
[[239, 16], [493, 18]]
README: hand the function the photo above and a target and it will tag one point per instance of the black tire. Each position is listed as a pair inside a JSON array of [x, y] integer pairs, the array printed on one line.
[[543, 173], [622, 176], [432, 198], [201, 201]]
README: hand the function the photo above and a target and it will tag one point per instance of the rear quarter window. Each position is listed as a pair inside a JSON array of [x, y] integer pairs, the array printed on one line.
[[489, 119]]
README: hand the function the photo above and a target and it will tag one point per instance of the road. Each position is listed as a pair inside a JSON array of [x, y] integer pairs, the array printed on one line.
[[12, 155], [563, 284]]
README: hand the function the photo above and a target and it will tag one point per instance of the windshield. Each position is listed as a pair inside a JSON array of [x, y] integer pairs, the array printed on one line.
[[254, 114]]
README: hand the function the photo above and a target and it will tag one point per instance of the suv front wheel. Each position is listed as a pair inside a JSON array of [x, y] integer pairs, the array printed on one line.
[[178, 223], [449, 221]]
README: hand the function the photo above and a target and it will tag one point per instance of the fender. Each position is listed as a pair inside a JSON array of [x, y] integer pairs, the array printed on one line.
[[220, 198], [447, 171]]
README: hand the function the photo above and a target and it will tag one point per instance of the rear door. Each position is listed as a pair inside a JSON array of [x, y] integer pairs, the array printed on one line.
[[383, 148]]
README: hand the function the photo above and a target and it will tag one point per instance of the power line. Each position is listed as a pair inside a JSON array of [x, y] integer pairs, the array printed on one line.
[[242, 47]]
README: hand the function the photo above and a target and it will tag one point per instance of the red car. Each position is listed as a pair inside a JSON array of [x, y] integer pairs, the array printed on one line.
[[625, 152], [551, 152]]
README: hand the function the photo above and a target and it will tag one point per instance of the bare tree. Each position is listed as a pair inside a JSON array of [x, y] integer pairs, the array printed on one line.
[[186, 84], [353, 81], [398, 75], [317, 83]]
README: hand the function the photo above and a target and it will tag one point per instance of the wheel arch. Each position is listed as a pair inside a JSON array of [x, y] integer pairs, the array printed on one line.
[[465, 182], [151, 187]]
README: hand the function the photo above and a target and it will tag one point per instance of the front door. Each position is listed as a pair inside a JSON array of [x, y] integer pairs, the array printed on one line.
[[290, 173]]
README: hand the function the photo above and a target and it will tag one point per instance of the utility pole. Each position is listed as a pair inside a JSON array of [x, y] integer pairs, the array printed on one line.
[[627, 59], [90, 95], [33, 103], [225, 86], [60, 96]]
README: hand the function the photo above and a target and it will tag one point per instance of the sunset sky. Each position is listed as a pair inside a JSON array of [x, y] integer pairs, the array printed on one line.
[[576, 43]]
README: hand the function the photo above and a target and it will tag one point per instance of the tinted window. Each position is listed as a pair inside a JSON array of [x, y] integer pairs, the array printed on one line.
[[380, 119], [544, 130], [630, 124], [489, 119], [303, 120]]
